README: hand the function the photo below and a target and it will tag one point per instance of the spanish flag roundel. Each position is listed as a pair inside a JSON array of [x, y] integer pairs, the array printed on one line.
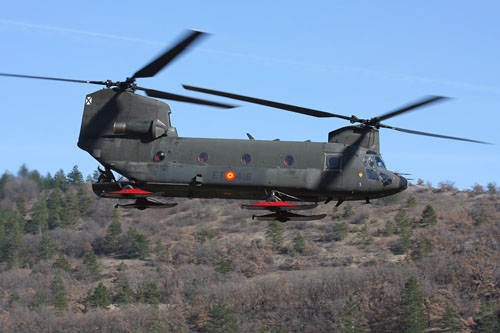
[[230, 175]]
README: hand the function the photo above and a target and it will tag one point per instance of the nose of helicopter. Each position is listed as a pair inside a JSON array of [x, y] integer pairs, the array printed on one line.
[[403, 183]]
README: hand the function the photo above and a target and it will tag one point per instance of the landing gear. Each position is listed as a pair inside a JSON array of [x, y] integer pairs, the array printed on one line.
[[143, 203], [281, 211], [106, 176]]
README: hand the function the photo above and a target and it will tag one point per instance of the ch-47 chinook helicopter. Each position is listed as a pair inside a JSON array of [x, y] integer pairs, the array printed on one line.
[[133, 136]]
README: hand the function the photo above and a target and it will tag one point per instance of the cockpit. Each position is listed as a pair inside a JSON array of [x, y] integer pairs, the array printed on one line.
[[375, 167]]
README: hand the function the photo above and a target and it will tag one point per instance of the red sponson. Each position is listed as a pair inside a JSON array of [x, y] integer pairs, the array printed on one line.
[[274, 204], [131, 191]]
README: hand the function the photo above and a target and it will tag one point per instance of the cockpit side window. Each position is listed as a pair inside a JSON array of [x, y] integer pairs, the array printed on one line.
[[372, 174]]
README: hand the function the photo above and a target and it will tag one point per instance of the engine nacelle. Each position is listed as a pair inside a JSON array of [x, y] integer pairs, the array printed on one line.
[[152, 129]]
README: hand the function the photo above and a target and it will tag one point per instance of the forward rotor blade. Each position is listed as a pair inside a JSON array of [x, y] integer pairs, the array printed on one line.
[[51, 78], [288, 107], [424, 101], [431, 134], [181, 98], [157, 65]]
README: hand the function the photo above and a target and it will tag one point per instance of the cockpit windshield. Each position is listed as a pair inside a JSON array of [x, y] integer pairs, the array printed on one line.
[[380, 162], [372, 158]]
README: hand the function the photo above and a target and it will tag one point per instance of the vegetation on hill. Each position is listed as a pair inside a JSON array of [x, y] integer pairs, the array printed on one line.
[[426, 259]]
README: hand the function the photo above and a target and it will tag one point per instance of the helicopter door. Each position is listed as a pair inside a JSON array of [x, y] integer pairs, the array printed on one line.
[[332, 171]]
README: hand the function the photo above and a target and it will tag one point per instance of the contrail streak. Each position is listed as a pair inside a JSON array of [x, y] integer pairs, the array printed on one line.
[[268, 61]]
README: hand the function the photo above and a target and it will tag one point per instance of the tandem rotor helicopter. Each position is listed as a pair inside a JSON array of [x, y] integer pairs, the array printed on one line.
[[133, 136]]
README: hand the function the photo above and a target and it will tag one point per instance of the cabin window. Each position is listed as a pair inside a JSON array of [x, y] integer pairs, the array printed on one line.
[[333, 162], [203, 157], [159, 156], [289, 160], [245, 159]]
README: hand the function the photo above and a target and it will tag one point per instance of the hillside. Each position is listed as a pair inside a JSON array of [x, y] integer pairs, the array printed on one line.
[[66, 254]]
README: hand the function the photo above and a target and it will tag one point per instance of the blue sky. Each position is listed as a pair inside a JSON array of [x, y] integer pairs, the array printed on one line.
[[363, 58]]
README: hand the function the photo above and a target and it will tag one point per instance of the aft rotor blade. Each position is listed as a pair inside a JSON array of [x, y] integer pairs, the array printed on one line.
[[157, 65], [181, 98], [431, 134], [51, 78], [288, 107], [425, 101]]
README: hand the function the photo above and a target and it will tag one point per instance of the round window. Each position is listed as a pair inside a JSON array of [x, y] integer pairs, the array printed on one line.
[[159, 156], [245, 159], [333, 162], [289, 160], [203, 157]]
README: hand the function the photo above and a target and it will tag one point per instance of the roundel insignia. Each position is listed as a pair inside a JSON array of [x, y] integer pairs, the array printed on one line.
[[230, 175], [360, 175]]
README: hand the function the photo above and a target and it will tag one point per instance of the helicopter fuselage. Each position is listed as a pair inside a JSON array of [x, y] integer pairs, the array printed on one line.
[[133, 136]]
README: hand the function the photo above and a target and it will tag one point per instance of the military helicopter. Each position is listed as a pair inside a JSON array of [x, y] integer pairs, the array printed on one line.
[[132, 135]]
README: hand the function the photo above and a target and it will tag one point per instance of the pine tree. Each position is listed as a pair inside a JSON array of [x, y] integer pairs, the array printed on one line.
[[224, 266], [62, 263], [451, 320], [390, 228], [70, 210], [161, 252], [353, 320], [60, 180], [274, 234], [47, 248], [348, 211], [412, 308], [57, 293], [404, 242], [47, 181], [299, 243], [422, 249], [138, 245], [151, 293], [75, 176], [38, 223], [23, 171], [222, 318], [40, 299], [21, 205], [401, 221], [205, 234], [55, 206], [492, 188], [488, 320], [92, 265], [12, 248], [428, 216], [340, 231], [99, 298], [411, 202], [35, 176], [6, 177], [84, 201], [124, 294], [111, 240]]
